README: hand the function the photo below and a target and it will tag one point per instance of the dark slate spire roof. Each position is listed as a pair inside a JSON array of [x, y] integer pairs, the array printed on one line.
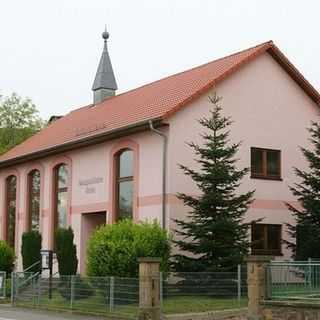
[[105, 78]]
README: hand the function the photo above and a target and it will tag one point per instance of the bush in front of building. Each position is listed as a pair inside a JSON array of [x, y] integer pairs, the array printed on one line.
[[66, 252], [114, 250], [7, 258], [30, 250]]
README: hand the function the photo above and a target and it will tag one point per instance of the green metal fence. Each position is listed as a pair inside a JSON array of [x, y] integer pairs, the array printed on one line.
[[99, 295], [298, 280], [179, 292], [185, 292]]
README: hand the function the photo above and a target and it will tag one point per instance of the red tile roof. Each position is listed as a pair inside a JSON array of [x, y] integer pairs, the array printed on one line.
[[156, 100]]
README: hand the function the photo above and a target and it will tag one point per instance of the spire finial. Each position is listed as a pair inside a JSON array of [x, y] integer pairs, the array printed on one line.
[[105, 34], [104, 84]]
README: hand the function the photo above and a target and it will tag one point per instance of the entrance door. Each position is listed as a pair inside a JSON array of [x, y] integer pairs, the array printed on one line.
[[89, 222]]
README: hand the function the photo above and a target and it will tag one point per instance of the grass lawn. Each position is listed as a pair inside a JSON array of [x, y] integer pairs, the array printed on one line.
[[292, 290], [93, 305], [97, 305], [188, 304], [4, 301]]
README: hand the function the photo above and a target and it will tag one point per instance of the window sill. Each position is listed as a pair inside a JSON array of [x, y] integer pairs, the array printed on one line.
[[266, 178]]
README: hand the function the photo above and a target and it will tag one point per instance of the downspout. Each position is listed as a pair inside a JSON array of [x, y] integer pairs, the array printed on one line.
[[164, 171]]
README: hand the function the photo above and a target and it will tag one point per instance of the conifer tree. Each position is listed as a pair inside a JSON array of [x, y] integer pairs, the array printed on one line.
[[214, 236], [306, 231]]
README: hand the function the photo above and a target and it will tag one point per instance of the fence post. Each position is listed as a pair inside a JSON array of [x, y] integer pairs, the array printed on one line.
[[149, 288], [239, 285], [111, 292], [12, 288], [310, 273], [39, 288], [33, 285], [161, 289], [72, 291], [257, 285]]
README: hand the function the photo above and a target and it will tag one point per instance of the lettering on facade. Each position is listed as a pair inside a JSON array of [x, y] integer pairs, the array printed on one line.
[[89, 184]]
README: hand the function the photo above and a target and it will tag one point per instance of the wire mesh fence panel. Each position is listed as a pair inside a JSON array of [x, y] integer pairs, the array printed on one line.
[[294, 280], [197, 292], [179, 292], [99, 295], [22, 286], [3, 278]]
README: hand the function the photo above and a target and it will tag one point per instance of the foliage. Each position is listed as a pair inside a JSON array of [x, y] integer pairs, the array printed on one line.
[[66, 252], [19, 119], [30, 250], [306, 231], [113, 250], [7, 257], [214, 237]]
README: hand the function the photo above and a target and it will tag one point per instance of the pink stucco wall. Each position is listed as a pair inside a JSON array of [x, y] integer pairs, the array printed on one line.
[[86, 164], [269, 110]]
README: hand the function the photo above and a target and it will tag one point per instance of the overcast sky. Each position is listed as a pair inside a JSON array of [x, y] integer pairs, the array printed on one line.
[[50, 49]]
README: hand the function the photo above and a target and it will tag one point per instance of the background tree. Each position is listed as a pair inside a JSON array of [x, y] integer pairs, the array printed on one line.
[[306, 231], [214, 236], [19, 119]]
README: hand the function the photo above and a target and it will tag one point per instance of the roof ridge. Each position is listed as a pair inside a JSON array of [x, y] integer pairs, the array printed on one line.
[[269, 43]]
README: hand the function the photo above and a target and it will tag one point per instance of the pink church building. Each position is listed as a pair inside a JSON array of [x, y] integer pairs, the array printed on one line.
[[118, 157]]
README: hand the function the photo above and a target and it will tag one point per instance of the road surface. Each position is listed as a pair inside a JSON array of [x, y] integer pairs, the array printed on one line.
[[9, 313]]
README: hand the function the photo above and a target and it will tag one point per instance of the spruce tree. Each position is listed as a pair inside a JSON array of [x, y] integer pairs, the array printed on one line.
[[306, 231], [214, 236]]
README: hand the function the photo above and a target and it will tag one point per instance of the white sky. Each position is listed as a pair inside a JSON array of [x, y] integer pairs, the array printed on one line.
[[50, 49]]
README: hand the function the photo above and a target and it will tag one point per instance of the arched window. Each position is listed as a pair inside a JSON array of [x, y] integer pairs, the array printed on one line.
[[61, 196], [34, 200], [124, 187], [11, 204]]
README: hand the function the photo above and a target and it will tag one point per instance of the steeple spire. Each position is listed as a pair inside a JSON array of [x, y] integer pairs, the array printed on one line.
[[104, 84]]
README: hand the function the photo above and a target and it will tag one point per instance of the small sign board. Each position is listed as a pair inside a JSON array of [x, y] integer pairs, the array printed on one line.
[[46, 259], [2, 284]]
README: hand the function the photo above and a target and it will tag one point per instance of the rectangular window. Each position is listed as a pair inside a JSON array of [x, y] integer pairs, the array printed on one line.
[[265, 164], [266, 239]]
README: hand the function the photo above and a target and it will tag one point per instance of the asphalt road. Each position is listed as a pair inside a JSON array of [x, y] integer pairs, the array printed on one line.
[[9, 313]]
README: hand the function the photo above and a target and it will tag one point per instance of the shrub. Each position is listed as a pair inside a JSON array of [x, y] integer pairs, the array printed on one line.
[[113, 250], [30, 250], [6, 257], [66, 252]]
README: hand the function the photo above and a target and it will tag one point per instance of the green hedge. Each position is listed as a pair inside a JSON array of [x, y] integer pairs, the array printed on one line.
[[30, 250], [113, 250], [66, 252], [7, 258]]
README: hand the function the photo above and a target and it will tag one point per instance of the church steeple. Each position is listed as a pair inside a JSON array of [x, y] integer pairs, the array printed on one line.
[[104, 85]]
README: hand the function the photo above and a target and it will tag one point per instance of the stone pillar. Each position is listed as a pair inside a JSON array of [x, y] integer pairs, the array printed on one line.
[[257, 290], [149, 289]]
